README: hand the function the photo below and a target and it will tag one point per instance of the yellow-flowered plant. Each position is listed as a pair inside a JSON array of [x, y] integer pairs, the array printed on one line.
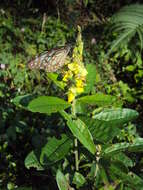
[[76, 71]]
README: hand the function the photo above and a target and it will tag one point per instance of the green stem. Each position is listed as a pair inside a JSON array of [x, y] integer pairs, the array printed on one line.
[[76, 155], [75, 141]]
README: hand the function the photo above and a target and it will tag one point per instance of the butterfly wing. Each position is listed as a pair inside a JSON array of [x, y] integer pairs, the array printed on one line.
[[36, 63], [50, 61]]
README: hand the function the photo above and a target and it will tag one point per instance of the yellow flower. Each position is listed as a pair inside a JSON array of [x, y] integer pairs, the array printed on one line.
[[79, 83], [71, 97], [67, 76], [71, 66], [72, 89], [84, 72], [79, 90], [77, 72], [71, 94]]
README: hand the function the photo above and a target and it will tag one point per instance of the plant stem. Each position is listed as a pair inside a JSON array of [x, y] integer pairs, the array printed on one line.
[[75, 141], [43, 22], [76, 154]]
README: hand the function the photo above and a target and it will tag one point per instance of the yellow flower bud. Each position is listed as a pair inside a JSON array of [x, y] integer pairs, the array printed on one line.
[[67, 75], [71, 66], [79, 90], [79, 83], [71, 97]]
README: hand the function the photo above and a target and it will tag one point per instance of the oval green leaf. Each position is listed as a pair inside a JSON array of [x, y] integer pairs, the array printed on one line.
[[135, 146], [62, 181], [98, 99], [55, 150], [47, 104], [80, 131], [116, 116], [101, 131]]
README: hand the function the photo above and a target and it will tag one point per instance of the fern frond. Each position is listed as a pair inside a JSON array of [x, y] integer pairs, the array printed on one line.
[[127, 23], [123, 38], [139, 32]]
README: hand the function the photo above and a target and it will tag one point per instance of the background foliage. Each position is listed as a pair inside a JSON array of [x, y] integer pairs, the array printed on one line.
[[31, 27]]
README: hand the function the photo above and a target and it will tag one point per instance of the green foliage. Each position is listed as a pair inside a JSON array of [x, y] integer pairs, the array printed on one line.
[[61, 181], [47, 104], [55, 150], [52, 152], [91, 78], [107, 131], [32, 161], [116, 116], [93, 142], [79, 180], [98, 99], [108, 121], [20, 40], [80, 131], [127, 22], [136, 145]]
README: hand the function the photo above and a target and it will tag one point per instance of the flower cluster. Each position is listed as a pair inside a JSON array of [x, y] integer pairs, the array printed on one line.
[[76, 71]]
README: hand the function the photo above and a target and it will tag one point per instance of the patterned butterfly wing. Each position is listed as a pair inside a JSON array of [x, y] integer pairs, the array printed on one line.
[[51, 60]]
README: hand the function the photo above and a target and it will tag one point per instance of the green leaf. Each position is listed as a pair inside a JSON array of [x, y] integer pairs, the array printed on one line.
[[123, 38], [55, 150], [10, 186], [101, 131], [81, 108], [31, 161], [66, 115], [123, 158], [131, 68], [80, 131], [106, 124], [91, 78], [116, 116], [23, 100], [104, 176], [54, 78], [78, 179], [135, 146], [47, 104], [128, 178], [62, 181], [85, 2], [98, 99]]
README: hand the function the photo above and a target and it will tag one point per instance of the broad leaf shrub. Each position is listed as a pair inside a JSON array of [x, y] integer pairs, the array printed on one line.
[[89, 151]]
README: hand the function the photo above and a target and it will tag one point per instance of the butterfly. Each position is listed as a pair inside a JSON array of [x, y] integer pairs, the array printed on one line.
[[51, 60]]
